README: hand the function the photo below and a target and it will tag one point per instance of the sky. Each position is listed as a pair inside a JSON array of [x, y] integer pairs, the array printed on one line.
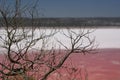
[[78, 8]]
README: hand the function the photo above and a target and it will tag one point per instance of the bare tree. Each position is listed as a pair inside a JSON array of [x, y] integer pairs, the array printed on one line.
[[19, 44], [70, 72]]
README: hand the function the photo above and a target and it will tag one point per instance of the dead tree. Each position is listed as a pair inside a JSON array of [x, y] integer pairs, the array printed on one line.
[[19, 43]]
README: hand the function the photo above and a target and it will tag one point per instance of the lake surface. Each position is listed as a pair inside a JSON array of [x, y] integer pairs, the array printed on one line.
[[103, 66], [104, 38]]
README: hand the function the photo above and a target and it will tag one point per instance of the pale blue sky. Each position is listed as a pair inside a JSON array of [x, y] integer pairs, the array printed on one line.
[[78, 8]]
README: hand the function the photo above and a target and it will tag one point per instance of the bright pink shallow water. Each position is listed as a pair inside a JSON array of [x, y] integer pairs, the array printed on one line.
[[104, 65]]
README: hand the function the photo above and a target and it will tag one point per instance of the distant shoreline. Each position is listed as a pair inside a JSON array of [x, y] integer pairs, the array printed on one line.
[[102, 22], [71, 27]]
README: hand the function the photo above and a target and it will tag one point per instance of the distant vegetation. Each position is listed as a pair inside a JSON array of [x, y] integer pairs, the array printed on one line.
[[69, 22]]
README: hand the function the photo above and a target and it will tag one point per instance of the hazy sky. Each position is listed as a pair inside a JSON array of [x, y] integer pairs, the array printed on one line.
[[79, 8]]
